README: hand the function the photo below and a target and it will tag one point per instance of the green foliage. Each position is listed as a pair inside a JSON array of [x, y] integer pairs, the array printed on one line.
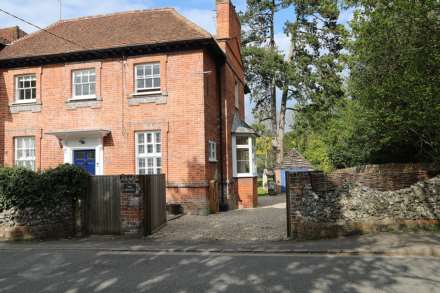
[[395, 75], [392, 110], [22, 188]]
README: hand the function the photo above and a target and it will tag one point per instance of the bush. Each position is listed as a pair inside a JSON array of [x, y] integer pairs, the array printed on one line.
[[22, 188]]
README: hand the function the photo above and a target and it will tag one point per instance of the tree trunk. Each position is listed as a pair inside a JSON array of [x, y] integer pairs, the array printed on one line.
[[273, 89], [281, 126]]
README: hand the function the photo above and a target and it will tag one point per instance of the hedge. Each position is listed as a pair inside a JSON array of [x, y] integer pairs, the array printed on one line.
[[22, 188]]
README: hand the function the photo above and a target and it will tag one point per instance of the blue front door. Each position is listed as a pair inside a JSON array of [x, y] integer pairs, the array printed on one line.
[[85, 159]]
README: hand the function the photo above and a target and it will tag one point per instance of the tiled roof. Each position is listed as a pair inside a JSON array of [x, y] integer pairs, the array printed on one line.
[[141, 27], [293, 160]]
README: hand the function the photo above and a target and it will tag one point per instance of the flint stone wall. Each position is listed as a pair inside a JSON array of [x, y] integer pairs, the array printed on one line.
[[37, 223], [357, 209]]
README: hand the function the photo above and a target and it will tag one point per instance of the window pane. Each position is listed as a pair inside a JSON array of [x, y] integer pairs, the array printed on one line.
[[150, 162], [243, 167], [77, 78], [78, 91], [158, 148], [242, 140], [92, 88], [156, 82], [148, 70], [27, 83], [156, 69], [85, 78], [139, 70], [141, 138], [21, 95], [141, 163], [150, 148], [158, 162], [34, 94], [157, 137], [85, 90], [92, 77], [140, 83], [149, 137], [149, 83], [141, 149], [242, 155], [159, 171], [80, 155]]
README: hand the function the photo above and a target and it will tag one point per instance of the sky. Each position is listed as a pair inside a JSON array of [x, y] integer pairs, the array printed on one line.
[[202, 12]]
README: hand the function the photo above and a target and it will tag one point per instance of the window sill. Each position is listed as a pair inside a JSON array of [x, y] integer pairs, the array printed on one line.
[[29, 106], [212, 161], [151, 93], [24, 102], [84, 98], [244, 175], [92, 102], [147, 98]]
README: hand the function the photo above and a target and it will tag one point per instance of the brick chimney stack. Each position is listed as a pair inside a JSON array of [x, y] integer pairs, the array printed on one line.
[[228, 22], [10, 34]]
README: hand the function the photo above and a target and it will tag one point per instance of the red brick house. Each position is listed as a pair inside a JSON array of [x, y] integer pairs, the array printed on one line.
[[141, 92]]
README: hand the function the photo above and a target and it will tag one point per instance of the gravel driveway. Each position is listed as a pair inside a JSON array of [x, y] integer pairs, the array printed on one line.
[[267, 222]]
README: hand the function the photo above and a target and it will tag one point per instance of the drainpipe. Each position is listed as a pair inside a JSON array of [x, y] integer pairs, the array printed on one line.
[[223, 204]]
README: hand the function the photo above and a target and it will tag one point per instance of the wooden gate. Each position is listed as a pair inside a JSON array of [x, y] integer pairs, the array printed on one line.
[[155, 216], [103, 208]]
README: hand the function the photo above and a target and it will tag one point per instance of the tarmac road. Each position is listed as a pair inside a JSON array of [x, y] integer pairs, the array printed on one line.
[[40, 270]]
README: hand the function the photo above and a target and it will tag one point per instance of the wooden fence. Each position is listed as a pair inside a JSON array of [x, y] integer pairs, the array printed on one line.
[[133, 204], [154, 202]]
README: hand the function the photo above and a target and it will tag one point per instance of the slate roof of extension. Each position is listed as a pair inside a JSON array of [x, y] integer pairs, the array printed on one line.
[[140, 27], [294, 161]]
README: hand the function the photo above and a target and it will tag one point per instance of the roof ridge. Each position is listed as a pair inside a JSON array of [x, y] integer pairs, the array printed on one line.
[[34, 33], [115, 13]]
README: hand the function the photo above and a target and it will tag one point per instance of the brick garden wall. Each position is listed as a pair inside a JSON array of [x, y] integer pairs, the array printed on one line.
[[381, 177]]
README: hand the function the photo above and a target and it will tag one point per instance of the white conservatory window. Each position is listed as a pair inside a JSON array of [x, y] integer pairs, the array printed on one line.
[[244, 156]]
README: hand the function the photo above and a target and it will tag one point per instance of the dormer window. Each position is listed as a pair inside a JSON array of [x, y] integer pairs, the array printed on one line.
[[147, 78], [84, 84], [26, 88]]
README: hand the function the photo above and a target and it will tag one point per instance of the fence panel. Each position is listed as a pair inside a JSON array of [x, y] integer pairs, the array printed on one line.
[[103, 209], [155, 217]]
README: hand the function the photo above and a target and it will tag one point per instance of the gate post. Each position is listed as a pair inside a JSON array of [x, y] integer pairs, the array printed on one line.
[[296, 183], [131, 205]]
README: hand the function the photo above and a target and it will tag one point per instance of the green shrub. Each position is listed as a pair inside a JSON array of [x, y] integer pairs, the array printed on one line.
[[22, 188]]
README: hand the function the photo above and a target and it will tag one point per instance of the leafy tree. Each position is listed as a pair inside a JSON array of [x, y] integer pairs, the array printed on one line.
[[395, 75], [261, 57]]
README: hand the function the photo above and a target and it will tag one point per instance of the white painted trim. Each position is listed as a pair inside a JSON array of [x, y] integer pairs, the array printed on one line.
[[252, 158], [96, 143]]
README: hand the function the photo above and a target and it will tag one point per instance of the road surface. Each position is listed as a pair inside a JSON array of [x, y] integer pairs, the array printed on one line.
[[40, 270]]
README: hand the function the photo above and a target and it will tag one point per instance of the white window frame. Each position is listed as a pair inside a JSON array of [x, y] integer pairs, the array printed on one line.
[[250, 146], [145, 90], [237, 95], [32, 78], [27, 145], [212, 151], [155, 155], [89, 73]]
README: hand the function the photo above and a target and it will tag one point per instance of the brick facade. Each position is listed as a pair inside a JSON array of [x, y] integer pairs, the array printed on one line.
[[188, 113]]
